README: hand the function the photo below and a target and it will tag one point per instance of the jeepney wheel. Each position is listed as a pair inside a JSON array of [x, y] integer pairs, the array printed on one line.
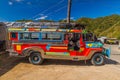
[[97, 59], [35, 58]]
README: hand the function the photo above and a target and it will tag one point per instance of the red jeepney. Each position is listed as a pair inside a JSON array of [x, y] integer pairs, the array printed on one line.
[[69, 44]]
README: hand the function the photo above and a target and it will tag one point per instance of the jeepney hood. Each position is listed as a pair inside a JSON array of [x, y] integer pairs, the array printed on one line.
[[94, 44], [106, 51]]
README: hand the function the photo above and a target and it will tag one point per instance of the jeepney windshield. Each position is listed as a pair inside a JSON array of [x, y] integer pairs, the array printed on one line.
[[89, 37]]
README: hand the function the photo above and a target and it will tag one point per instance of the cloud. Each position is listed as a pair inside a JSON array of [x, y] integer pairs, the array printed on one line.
[[19, 0], [42, 17], [10, 3], [72, 18]]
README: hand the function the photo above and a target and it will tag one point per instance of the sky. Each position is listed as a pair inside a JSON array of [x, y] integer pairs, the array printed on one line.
[[12, 10]]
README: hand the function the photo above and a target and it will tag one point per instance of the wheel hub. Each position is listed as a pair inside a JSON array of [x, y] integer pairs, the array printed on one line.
[[98, 59], [35, 58]]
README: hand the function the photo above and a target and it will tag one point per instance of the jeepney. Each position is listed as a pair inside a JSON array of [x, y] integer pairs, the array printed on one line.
[[38, 44]]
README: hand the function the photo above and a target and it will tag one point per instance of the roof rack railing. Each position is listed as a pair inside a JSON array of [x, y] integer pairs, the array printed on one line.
[[47, 25]]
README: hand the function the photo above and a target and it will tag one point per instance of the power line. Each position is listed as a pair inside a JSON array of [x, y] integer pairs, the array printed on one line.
[[49, 8], [55, 11], [60, 8]]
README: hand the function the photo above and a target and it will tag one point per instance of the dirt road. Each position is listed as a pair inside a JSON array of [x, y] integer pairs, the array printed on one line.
[[21, 69]]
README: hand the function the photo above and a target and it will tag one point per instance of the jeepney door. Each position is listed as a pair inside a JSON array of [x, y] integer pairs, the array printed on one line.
[[76, 45], [74, 41]]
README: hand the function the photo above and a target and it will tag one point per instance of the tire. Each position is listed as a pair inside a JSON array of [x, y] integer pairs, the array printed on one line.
[[35, 58], [97, 59]]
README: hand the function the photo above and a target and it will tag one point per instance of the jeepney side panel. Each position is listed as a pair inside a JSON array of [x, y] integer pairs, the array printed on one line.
[[19, 47]]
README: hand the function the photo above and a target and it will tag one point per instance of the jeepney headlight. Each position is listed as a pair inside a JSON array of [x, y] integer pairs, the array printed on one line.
[[18, 47]]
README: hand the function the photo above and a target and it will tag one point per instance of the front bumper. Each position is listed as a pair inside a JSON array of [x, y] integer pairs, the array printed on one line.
[[107, 52]]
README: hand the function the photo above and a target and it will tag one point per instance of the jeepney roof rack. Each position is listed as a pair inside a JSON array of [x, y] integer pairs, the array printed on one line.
[[47, 25]]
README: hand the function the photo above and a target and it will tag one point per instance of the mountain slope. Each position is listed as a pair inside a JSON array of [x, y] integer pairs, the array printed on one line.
[[113, 31], [104, 26]]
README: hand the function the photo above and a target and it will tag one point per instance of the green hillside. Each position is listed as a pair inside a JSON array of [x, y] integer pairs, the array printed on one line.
[[104, 26]]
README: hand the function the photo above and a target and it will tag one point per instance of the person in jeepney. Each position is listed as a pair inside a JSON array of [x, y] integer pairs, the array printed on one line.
[[70, 44], [74, 41], [90, 36]]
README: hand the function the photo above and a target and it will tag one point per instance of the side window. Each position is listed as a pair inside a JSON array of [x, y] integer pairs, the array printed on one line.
[[24, 36], [52, 36], [29, 36], [35, 36], [44, 36], [13, 35]]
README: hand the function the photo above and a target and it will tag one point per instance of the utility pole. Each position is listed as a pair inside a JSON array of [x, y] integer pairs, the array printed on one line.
[[69, 11]]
